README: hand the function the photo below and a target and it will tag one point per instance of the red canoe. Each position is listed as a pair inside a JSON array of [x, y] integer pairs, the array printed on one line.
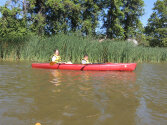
[[97, 67]]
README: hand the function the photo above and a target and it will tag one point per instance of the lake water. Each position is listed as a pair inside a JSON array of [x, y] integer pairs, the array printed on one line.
[[61, 97]]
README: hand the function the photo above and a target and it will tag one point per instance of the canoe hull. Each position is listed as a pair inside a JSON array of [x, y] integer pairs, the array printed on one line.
[[95, 67]]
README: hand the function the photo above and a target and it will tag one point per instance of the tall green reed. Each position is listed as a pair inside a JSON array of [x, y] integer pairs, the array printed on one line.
[[73, 47]]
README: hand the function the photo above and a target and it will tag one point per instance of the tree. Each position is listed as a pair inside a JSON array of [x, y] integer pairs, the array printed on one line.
[[112, 19], [36, 9], [11, 25], [13, 29], [63, 16], [156, 29], [90, 11], [133, 10]]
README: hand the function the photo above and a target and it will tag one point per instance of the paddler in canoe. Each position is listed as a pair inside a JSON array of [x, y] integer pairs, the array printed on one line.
[[56, 58], [85, 60]]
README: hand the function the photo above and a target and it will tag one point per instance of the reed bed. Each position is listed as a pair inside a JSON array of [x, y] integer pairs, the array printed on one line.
[[73, 47]]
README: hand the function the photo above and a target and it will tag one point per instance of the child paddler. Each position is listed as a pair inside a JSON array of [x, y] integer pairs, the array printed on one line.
[[85, 60], [56, 57]]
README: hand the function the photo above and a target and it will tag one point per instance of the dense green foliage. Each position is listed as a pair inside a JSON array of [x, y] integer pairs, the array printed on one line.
[[112, 19], [122, 18], [49, 17], [133, 10], [157, 24], [30, 30], [11, 26], [73, 47]]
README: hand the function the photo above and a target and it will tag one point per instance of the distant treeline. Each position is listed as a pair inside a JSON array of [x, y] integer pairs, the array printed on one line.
[[120, 19]]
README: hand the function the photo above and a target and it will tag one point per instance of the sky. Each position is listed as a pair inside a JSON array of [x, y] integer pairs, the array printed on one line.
[[149, 4]]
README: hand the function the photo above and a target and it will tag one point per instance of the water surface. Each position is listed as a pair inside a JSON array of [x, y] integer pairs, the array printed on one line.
[[61, 97]]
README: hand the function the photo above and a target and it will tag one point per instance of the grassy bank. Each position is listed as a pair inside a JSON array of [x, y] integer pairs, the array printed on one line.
[[73, 47]]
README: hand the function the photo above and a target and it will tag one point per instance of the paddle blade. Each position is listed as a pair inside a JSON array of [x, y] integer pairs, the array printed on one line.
[[52, 63]]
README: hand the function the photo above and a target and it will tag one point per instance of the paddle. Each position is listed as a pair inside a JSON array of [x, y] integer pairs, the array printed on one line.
[[84, 66], [96, 63], [52, 63], [89, 64]]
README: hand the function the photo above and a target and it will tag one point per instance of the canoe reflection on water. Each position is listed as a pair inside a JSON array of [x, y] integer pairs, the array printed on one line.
[[57, 77], [85, 81], [84, 76]]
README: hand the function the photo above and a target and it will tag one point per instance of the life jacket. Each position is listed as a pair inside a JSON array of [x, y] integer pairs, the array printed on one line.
[[87, 61], [58, 58]]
